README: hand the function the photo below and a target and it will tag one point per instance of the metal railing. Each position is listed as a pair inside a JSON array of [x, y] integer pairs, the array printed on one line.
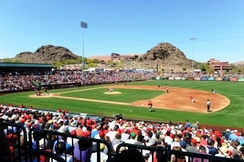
[[39, 145]]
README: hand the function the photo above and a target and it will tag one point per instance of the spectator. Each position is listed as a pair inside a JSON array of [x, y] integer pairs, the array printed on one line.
[[177, 157], [103, 156], [4, 149], [68, 147], [195, 126], [175, 142], [107, 139], [168, 139], [233, 136], [116, 141], [211, 149], [83, 155], [241, 152], [192, 147], [187, 125], [60, 150], [160, 154], [125, 135], [202, 150]]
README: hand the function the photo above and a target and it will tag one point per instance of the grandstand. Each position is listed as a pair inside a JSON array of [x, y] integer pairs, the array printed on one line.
[[41, 135]]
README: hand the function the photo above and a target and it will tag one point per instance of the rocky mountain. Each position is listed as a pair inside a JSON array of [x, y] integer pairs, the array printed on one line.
[[167, 56], [46, 54], [163, 55]]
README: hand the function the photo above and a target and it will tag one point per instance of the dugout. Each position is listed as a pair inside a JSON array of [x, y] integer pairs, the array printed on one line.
[[24, 68]]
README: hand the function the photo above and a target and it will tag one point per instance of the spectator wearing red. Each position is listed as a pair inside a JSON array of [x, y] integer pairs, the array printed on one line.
[[80, 131], [105, 129], [135, 130]]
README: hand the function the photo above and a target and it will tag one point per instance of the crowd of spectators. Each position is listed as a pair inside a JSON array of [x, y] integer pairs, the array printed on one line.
[[15, 82], [185, 136]]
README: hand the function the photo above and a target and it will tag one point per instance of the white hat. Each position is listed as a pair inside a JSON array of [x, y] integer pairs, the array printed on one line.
[[84, 129], [37, 122], [224, 150], [74, 123], [197, 139]]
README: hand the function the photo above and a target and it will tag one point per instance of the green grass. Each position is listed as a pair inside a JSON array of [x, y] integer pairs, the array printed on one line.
[[127, 95], [230, 116]]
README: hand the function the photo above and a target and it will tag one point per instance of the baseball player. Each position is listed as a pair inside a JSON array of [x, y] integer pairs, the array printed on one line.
[[45, 91], [110, 89], [213, 90], [208, 106], [192, 99], [149, 106], [167, 89]]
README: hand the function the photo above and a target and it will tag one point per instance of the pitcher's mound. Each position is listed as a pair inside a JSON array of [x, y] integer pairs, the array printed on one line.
[[114, 92]]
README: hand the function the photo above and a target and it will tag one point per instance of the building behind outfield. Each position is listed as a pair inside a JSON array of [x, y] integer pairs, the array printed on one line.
[[24, 68]]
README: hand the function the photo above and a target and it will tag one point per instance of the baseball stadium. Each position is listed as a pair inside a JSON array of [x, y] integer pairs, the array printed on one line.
[[101, 98]]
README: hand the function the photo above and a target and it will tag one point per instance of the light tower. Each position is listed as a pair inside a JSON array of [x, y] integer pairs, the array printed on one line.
[[83, 25]]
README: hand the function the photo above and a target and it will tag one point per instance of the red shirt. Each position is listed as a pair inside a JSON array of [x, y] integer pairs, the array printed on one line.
[[149, 103]]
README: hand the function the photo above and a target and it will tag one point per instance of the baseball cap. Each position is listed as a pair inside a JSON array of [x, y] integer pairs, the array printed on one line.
[[193, 141], [132, 134]]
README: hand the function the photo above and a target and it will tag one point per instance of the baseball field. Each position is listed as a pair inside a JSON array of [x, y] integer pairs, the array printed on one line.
[[130, 100]]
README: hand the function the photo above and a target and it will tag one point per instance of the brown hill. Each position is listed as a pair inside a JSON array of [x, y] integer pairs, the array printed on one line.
[[46, 54], [168, 56], [164, 54]]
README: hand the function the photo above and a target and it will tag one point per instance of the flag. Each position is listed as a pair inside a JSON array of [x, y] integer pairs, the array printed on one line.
[[83, 24]]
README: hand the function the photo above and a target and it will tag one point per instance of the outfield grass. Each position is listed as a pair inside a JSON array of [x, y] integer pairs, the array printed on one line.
[[230, 116]]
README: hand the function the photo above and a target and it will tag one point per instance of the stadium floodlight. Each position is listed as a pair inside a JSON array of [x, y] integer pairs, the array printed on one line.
[[83, 25], [192, 64]]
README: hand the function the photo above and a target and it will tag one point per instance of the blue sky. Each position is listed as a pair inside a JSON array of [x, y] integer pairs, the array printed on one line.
[[125, 27]]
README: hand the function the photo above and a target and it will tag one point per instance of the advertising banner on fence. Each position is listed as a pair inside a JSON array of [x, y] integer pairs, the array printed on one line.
[[233, 79], [177, 78], [211, 78], [204, 78], [241, 80], [226, 79], [219, 79], [171, 78]]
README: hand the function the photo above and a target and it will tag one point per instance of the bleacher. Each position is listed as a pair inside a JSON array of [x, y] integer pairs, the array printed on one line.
[[34, 145]]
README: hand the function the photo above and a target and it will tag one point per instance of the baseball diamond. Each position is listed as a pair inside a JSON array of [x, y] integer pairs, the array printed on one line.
[[165, 101]]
